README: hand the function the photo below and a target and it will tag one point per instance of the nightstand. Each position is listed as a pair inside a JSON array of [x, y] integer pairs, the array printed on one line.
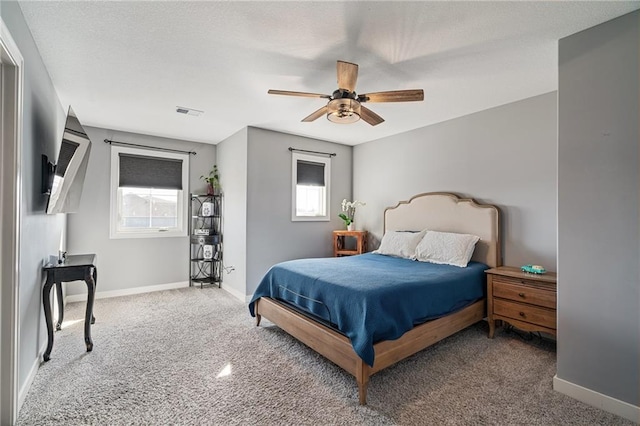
[[526, 301], [339, 247]]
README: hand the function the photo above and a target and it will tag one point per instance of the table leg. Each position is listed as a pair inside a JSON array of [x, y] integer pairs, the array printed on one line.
[[91, 289], [95, 284], [60, 306], [46, 301]]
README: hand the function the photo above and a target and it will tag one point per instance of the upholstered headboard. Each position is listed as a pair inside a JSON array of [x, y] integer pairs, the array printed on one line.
[[441, 211]]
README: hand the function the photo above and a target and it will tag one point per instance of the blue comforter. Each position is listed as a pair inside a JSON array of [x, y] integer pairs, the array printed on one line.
[[372, 297]]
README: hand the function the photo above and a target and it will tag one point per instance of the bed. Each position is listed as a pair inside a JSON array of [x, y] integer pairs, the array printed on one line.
[[356, 330]]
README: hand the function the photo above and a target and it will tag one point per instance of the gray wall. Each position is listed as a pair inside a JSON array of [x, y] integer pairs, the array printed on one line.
[[133, 262], [40, 234], [232, 165], [255, 170], [505, 156], [273, 236], [598, 221]]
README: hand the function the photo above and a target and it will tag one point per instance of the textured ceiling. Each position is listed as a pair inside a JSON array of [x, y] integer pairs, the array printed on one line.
[[127, 65]]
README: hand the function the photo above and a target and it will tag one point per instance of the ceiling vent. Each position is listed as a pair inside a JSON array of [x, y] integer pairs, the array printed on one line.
[[188, 111]]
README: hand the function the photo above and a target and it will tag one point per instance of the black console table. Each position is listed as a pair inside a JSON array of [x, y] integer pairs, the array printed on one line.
[[74, 268]]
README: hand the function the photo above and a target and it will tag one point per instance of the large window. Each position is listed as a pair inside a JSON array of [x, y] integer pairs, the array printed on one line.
[[310, 187], [148, 193]]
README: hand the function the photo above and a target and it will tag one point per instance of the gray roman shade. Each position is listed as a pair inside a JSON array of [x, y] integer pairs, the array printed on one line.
[[310, 173], [150, 172], [67, 149]]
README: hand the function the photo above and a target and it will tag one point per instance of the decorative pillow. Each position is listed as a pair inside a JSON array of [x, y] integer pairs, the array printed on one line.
[[446, 248], [400, 243]]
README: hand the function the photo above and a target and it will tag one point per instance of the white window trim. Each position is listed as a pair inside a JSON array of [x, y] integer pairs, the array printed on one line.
[[114, 233], [295, 156]]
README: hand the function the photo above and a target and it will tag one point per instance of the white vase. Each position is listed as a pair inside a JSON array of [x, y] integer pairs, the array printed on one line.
[[351, 227]]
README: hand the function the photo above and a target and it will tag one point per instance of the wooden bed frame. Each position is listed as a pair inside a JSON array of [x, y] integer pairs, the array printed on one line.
[[437, 211]]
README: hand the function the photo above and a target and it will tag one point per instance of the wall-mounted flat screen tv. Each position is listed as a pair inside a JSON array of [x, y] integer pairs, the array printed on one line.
[[63, 182]]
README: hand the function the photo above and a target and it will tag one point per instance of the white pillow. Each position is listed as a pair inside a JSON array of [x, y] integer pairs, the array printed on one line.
[[446, 248], [400, 244]]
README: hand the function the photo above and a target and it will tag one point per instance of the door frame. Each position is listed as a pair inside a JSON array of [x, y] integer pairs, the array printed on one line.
[[11, 116]]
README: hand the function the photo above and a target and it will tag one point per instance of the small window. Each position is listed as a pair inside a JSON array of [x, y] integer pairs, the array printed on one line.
[[310, 187], [148, 193]]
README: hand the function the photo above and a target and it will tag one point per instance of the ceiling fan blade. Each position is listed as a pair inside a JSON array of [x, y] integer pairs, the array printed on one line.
[[316, 114], [393, 96], [305, 94], [347, 75], [369, 116]]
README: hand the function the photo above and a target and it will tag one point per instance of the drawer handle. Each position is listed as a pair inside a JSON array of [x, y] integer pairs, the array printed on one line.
[[521, 294], [522, 314]]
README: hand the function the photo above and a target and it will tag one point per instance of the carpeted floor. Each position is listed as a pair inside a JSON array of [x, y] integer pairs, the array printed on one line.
[[194, 357]]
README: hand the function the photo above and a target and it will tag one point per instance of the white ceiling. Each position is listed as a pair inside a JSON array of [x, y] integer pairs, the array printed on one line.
[[127, 65]]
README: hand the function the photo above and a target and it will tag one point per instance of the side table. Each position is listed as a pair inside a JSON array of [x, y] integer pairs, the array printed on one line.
[[75, 267], [526, 301], [339, 247]]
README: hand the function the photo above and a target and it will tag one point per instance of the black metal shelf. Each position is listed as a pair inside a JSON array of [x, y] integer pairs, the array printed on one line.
[[205, 259], [210, 280]]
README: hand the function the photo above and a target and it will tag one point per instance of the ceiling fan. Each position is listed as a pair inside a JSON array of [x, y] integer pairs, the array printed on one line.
[[345, 105]]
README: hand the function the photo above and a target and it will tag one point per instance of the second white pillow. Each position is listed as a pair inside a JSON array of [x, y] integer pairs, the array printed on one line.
[[446, 248]]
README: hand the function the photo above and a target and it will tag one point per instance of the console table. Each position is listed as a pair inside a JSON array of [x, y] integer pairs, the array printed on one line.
[[74, 268]]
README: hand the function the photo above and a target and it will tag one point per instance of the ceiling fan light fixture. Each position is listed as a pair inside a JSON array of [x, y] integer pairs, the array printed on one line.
[[344, 105], [344, 111]]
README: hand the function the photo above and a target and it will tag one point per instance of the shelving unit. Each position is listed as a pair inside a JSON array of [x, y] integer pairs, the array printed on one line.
[[205, 240]]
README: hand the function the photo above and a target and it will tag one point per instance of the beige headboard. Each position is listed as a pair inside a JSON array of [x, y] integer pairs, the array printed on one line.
[[441, 211]]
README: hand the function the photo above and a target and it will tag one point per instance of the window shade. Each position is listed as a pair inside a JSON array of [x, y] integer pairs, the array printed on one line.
[[310, 173], [67, 149], [150, 172]]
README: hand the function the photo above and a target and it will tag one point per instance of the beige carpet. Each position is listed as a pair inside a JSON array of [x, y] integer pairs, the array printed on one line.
[[194, 357]]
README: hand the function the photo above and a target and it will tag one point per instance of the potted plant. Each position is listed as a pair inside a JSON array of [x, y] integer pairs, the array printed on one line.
[[349, 212], [213, 181]]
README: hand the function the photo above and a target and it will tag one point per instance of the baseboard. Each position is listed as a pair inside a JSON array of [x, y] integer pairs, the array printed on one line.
[[597, 399], [24, 389], [235, 293], [127, 291]]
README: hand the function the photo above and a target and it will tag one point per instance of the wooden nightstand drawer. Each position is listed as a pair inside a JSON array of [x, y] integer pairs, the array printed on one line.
[[507, 289], [527, 313]]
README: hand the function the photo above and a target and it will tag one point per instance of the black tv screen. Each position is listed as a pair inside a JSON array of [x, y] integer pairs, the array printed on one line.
[[70, 169]]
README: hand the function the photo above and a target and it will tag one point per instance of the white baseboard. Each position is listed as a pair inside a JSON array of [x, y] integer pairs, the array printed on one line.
[[235, 293], [597, 399], [24, 389], [127, 291]]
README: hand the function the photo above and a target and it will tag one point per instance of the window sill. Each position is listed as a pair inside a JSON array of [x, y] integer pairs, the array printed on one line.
[[147, 234]]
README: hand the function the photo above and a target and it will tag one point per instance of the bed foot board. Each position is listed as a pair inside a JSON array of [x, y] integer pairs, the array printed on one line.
[[337, 348]]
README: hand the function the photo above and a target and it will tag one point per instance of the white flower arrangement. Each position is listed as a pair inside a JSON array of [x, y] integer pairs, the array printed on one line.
[[349, 209]]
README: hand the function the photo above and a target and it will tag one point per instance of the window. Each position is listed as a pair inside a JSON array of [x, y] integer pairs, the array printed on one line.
[[310, 187], [147, 194]]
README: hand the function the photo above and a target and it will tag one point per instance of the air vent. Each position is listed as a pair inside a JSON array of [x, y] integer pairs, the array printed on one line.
[[188, 111]]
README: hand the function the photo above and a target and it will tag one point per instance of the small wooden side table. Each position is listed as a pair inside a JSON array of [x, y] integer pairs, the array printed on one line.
[[339, 247], [75, 267]]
